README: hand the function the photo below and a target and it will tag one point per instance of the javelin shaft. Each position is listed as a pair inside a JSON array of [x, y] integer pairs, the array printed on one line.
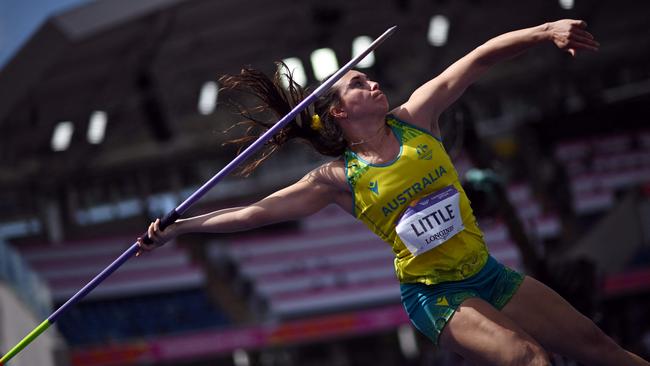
[[178, 211], [27, 340]]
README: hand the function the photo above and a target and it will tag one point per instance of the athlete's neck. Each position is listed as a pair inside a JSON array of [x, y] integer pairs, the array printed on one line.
[[378, 147]]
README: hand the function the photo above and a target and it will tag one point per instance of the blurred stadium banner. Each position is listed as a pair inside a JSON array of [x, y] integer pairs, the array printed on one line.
[[211, 343]]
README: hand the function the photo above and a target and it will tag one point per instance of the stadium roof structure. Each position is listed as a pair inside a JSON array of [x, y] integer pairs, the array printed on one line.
[[144, 62]]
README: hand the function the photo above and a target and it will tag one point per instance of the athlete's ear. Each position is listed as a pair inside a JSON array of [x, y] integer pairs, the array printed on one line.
[[338, 112]]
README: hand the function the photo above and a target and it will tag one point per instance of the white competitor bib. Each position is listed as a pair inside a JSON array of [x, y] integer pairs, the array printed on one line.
[[431, 221]]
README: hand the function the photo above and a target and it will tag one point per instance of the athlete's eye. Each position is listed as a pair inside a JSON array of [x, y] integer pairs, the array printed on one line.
[[359, 84]]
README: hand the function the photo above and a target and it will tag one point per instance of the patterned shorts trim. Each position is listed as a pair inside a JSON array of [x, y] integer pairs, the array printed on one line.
[[431, 306]]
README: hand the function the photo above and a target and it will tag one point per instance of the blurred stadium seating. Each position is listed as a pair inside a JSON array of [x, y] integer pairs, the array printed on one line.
[[601, 165], [69, 266], [140, 317]]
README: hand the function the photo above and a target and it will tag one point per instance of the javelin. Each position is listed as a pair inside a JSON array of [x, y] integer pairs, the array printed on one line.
[[173, 215]]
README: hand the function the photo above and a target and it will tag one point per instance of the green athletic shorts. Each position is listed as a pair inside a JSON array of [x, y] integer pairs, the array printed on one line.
[[431, 306]]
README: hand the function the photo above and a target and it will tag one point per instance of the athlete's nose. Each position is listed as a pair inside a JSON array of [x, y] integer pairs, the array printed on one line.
[[374, 85]]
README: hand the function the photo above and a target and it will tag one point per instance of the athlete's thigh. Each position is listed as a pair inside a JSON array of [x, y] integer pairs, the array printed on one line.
[[550, 319], [483, 335]]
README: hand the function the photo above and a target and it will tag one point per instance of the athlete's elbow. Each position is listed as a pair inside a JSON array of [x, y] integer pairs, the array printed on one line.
[[252, 217]]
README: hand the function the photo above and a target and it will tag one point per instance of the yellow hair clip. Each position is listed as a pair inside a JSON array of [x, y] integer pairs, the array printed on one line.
[[316, 123]]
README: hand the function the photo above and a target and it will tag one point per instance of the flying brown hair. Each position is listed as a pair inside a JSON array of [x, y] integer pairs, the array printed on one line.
[[270, 95]]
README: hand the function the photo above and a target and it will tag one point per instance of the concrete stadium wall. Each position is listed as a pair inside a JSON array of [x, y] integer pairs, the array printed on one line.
[[16, 321]]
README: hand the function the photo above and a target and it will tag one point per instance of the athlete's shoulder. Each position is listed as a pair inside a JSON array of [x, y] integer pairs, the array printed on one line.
[[403, 114], [331, 173], [404, 117]]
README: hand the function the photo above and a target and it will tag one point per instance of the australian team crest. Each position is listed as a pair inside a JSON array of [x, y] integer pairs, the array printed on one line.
[[424, 153]]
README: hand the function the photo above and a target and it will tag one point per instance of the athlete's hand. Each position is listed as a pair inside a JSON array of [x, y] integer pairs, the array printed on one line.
[[570, 35], [157, 236]]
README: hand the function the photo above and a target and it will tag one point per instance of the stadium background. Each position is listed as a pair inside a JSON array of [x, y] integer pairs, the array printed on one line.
[[107, 121]]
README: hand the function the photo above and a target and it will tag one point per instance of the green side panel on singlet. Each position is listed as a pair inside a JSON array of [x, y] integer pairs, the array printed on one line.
[[383, 191]]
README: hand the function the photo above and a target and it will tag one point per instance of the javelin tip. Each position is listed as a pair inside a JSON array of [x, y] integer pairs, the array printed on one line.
[[387, 33]]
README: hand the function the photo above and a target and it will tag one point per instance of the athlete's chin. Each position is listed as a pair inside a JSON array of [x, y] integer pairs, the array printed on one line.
[[380, 105], [385, 102], [382, 108]]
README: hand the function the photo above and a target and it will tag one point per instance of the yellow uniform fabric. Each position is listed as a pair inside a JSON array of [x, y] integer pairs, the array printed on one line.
[[381, 193]]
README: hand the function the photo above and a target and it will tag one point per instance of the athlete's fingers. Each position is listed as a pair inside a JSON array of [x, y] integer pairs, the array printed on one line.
[[580, 23], [142, 247], [151, 232], [584, 33], [583, 41]]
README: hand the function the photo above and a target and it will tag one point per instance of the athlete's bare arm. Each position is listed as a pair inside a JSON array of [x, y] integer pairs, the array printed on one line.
[[317, 189], [428, 101]]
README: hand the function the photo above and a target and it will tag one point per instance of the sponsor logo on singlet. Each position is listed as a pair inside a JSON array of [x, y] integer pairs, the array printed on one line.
[[374, 187]]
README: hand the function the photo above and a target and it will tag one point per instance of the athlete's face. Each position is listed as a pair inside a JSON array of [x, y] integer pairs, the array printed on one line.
[[360, 96]]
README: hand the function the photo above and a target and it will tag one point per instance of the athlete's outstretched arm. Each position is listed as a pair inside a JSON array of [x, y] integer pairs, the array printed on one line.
[[428, 101], [305, 197]]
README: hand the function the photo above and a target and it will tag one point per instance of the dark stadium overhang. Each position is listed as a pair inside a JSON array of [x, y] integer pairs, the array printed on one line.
[[144, 63], [58, 35], [64, 59]]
